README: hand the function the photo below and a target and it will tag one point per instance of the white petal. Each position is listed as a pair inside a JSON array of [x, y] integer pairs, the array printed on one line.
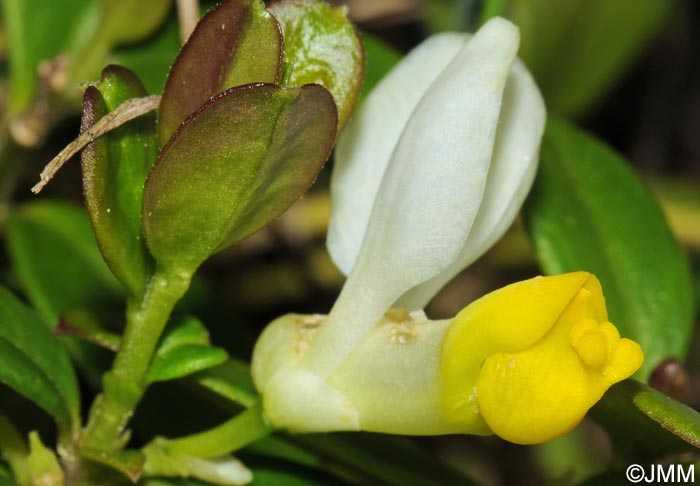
[[430, 193], [510, 178], [366, 144]]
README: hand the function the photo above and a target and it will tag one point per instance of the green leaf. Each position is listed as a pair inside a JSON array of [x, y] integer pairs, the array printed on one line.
[[277, 448], [14, 450], [33, 363], [230, 380], [450, 15], [150, 60], [163, 458], [321, 46], [577, 58], [42, 463], [6, 477], [492, 8], [646, 424], [236, 43], [48, 241], [185, 360], [38, 31], [386, 459], [575, 455], [115, 167], [589, 211], [86, 325], [680, 200], [184, 349], [128, 462], [236, 164], [82, 30], [290, 476], [116, 22], [380, 58], [128, 21]]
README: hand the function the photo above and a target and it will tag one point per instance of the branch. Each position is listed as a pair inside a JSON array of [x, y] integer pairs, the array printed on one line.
[[127, 111]]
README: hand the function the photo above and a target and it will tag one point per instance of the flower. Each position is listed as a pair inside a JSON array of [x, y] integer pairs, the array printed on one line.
[[428, 176], [525, 362]]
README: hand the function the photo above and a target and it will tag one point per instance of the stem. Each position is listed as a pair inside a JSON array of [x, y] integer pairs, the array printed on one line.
[[195, 454], [125, 384], [127, 111], [243, 429]]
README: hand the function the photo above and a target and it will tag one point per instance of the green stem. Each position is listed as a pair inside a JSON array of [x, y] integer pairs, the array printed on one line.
[[186, 456], [126, 383], [236, 433]]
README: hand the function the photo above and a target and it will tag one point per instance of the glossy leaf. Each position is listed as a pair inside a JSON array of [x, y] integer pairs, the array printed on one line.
[[38, 31], [577, 58], [185, 360], [646, 424], [48, 241], [589, 211], [236, 164], [236, 43], [115, 167], [184, 349], [33, 362], [321, 46]]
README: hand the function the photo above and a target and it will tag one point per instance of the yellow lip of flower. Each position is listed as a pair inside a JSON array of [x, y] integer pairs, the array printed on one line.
[[528, 360]]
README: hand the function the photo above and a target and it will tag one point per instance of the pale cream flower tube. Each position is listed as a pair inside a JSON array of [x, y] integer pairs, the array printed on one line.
[[525, 362]]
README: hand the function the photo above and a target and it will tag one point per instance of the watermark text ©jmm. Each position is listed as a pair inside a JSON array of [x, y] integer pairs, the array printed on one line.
[[660, 473]]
